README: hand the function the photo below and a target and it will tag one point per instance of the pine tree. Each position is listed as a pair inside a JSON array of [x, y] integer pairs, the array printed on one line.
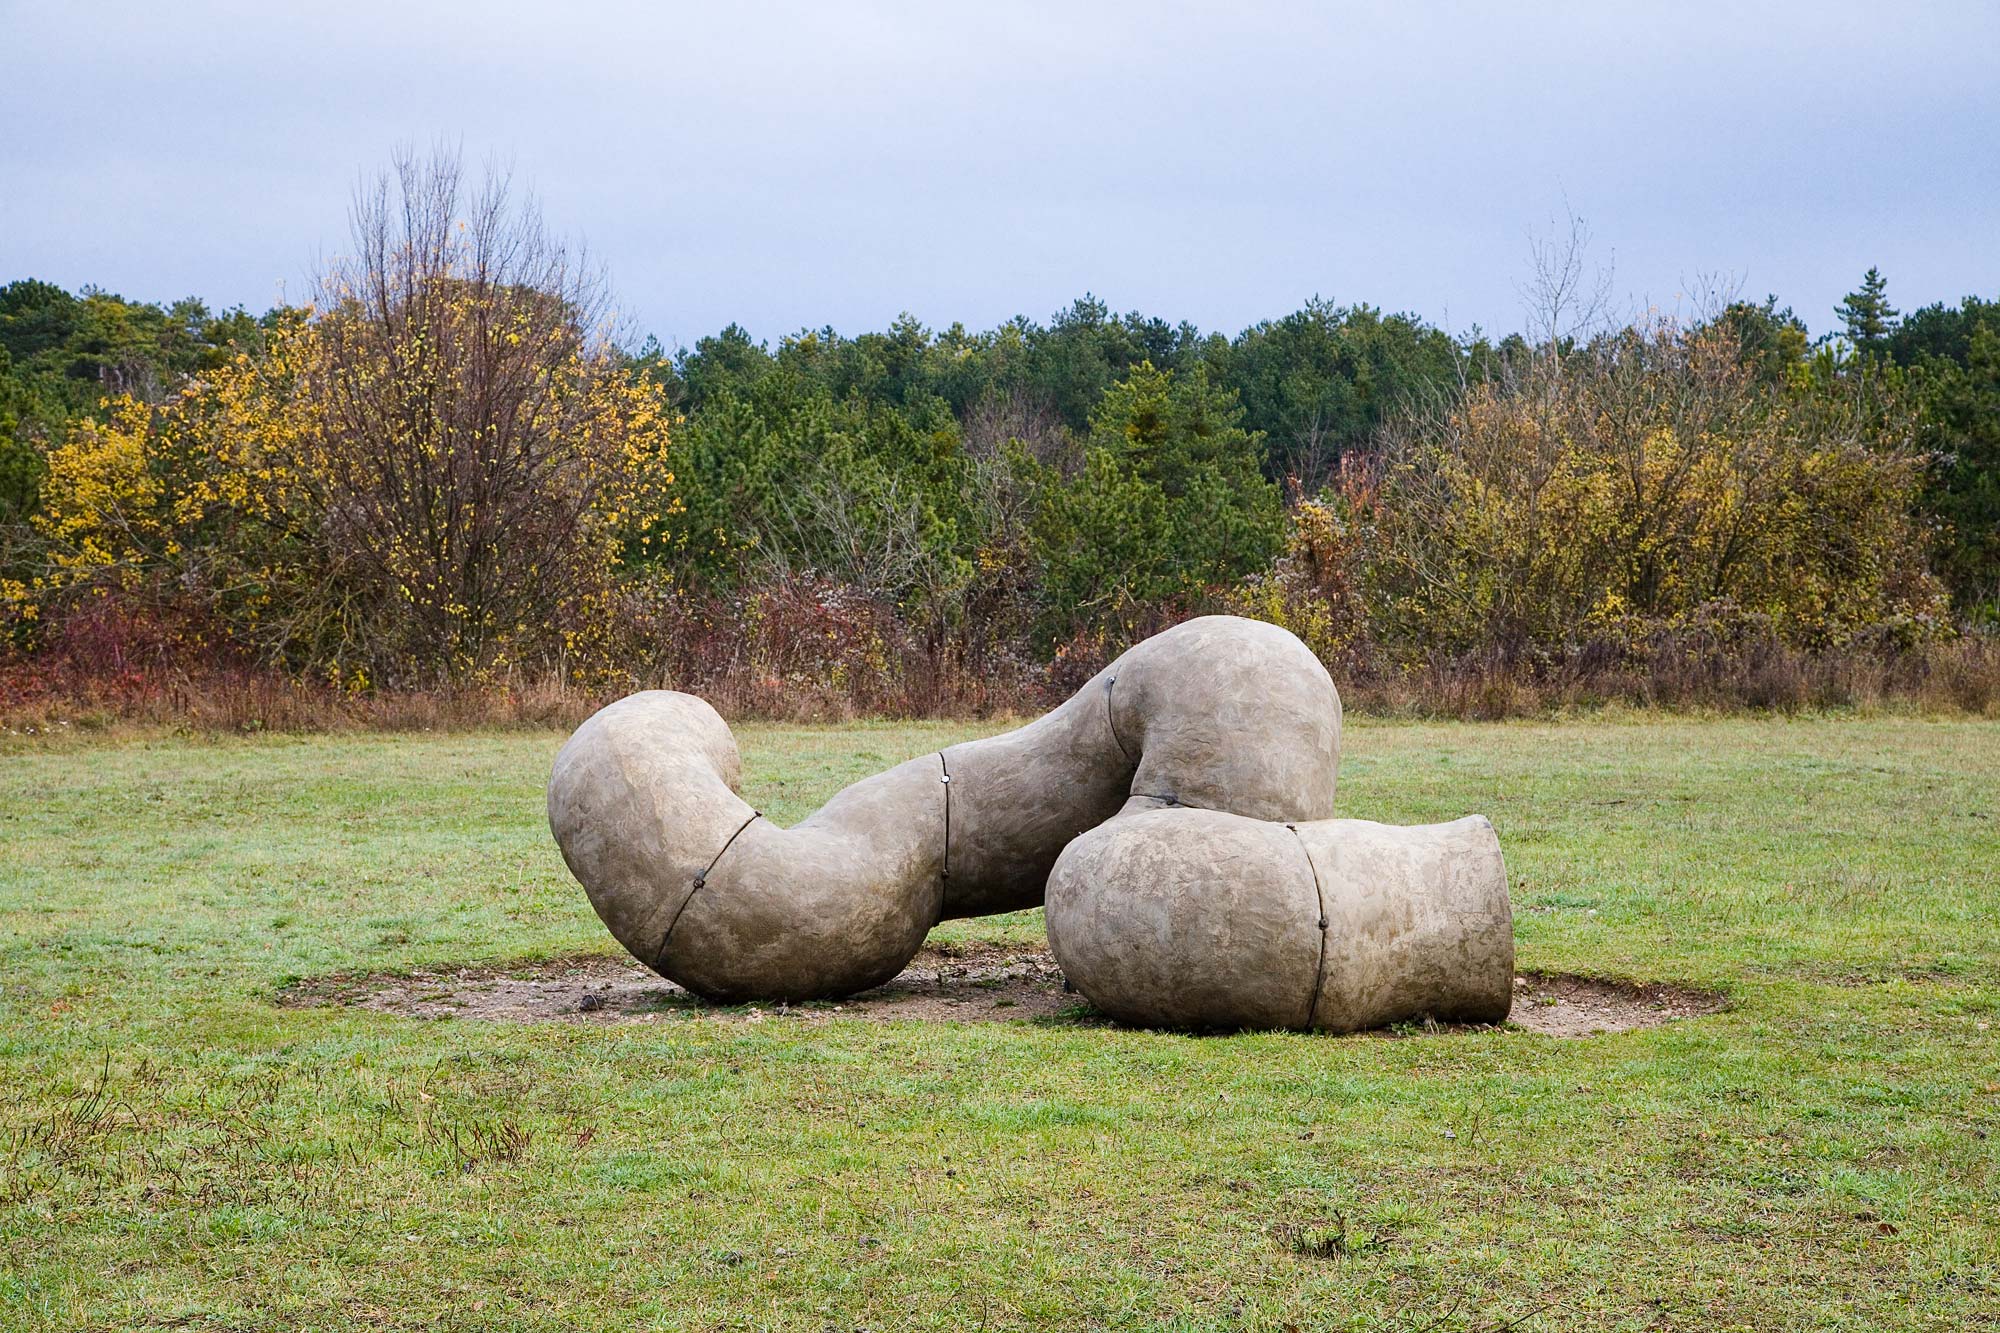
[[1867, 313]]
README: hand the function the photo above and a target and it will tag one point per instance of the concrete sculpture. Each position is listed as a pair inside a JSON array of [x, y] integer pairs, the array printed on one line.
[[1199, 919], [1160, 786]]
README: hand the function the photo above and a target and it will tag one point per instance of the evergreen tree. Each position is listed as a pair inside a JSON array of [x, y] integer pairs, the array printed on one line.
[[1170, 503], [1961, 425], [1867, 313]]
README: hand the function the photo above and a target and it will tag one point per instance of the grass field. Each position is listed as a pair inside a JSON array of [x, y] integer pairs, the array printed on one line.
[[177, 1151]]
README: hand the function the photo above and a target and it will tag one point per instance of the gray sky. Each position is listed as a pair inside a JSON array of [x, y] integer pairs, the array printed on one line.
[[794, 165]]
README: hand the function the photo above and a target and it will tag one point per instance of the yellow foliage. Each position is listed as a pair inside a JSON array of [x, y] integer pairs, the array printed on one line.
[[1650, 483], [326, 498], [102, 499]]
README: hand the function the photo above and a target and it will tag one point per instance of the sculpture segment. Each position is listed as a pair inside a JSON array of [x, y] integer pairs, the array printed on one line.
[[1220, 728], [1198, 919]]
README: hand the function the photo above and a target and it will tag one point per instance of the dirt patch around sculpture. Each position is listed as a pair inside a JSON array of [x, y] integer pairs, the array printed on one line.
[[1556, 1005], [961, 983], [980, 983]]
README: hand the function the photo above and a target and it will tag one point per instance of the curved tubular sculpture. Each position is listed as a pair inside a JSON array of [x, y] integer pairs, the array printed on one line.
[[1175, 810], [1219, 713], [1198, 919]]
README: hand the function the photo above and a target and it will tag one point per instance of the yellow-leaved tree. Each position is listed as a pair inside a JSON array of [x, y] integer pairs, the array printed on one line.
[[439, 473]]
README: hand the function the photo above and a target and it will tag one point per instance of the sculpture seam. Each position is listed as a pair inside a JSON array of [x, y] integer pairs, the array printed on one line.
[[944, 866], [700, 882], [1319, 895], [1111, 719]]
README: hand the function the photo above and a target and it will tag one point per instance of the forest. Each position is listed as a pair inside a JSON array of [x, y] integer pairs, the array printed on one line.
[[449, 486]]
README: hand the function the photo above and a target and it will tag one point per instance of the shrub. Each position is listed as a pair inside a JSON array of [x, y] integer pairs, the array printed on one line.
[[438, 476], [1636, 486]]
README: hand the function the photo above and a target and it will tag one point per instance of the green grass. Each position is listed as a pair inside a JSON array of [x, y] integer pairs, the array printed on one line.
[[177, 1152]]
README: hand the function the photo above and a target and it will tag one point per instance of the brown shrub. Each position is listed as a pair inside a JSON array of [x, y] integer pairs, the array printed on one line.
[[803, 650]]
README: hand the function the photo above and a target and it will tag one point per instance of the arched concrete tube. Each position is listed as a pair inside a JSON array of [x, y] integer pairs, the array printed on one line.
[[1219, 712], [1200, 919]]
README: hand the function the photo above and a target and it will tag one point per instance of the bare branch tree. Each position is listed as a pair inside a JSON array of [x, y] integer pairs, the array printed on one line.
[[1566, 297], [1708, 294], [457, 445], [1014, 416]]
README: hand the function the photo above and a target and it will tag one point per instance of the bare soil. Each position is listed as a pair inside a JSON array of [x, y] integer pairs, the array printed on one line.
[[1559, 1005], [959, 983]]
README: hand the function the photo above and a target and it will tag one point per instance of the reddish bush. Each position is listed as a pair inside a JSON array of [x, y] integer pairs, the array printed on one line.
[[809, 650]]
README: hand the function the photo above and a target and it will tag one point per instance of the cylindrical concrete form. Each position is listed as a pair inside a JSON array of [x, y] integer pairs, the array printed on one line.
[[1187, 790], [1218, 712], [1204, 920]]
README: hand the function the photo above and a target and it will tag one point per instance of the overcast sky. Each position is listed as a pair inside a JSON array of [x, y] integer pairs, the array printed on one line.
[[786, 166]]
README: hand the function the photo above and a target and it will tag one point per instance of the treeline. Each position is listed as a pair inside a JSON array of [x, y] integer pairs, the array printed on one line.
[[441, 476]]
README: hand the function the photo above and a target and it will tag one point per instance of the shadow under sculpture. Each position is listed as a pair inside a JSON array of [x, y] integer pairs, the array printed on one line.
[[1175, 812]]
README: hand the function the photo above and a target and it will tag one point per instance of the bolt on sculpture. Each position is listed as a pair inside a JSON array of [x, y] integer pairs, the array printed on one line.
[[1175, 813]]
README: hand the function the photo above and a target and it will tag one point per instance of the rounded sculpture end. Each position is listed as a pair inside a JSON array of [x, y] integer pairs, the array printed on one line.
[[640, 799], [1420, 924]]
